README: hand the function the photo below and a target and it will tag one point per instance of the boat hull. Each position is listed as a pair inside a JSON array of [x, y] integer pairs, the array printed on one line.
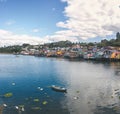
[[58, 89]]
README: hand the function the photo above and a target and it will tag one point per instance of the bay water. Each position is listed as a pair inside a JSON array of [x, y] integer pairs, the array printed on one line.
[[92, 87]]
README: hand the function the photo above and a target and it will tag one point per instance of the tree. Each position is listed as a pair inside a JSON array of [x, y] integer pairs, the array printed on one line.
[[104, 42], [90, 44], [25, 45], [117, 36]]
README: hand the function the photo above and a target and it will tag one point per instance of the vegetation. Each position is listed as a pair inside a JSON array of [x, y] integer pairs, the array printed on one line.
[[112, 42], [36, 100], [44, 102], [103, 43], [7, 95], [10, 49], [59, 44]]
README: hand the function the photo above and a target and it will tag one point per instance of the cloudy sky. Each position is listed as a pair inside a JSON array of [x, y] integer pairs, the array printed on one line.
[[39, 21]]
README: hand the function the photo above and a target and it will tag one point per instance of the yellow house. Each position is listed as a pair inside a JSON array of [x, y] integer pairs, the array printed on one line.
[[60, 53], [115, 55]]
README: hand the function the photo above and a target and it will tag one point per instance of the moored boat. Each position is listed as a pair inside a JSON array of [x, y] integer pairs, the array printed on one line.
[[58, 88]]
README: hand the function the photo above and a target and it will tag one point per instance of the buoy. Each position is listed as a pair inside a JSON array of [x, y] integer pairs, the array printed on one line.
[[13, 83], [16, 107], [23, 109], [4, 105], [75, 98], [41, 89]]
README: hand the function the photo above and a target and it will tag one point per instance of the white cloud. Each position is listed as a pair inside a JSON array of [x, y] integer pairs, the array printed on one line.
[[10, 22], [85, 19], [61, 37], [9, 38], [64, 0], [35, 30], [89, 19]]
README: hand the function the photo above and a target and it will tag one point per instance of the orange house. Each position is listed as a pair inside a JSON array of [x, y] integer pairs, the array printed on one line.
[[115, 55], [59, 53]]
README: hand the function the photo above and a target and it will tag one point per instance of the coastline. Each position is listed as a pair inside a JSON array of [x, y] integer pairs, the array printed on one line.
[[6, 53], [72, 58]]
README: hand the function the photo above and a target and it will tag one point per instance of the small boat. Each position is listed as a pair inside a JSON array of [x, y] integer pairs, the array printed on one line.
[[58, 88]]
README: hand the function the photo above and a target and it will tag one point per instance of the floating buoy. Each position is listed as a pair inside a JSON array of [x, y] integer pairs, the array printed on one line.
[[75, 98], [41, 89], [23, 109], [13, 84], [16, 107], [4, 105]]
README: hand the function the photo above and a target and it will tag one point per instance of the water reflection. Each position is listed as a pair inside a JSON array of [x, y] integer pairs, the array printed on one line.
[[93, 88], [116, 66]]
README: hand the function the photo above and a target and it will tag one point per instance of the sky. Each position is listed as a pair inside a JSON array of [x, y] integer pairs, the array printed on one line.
[[42, 21]]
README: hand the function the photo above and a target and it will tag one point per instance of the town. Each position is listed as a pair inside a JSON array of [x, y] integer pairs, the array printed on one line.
[[75, 51], [104, 51]]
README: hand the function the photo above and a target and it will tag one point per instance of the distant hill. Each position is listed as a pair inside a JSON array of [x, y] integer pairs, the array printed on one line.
[[17, 46]]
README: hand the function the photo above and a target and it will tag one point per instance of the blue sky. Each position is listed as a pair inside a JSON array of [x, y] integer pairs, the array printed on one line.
[[23, 16], [39, 21]]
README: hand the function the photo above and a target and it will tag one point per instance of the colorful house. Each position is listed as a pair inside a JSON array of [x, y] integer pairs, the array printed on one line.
[[115, 55]]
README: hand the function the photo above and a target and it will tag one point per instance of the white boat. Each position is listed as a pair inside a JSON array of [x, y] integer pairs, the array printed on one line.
[[58, 88]]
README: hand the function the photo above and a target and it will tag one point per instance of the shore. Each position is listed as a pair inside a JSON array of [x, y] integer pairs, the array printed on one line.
[[71, 58]]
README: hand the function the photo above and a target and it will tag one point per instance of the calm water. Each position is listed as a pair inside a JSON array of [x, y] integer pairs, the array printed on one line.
[[92, 88]]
